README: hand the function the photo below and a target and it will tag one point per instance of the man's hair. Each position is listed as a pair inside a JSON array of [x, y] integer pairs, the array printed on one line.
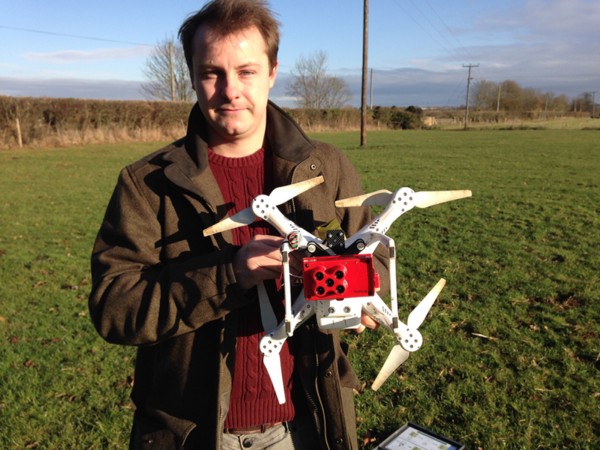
[[225, 17]]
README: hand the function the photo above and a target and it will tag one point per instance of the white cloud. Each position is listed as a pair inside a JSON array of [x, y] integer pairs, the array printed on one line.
[[548, 45], [541, 18], [71, 88], [101, 54]]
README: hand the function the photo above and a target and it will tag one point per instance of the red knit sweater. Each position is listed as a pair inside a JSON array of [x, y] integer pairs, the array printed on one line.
[[253, 400]]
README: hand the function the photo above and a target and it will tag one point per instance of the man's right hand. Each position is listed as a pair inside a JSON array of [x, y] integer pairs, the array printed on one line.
[[258, 260]]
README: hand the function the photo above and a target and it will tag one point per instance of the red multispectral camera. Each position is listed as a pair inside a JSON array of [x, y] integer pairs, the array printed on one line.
[[339, 277]]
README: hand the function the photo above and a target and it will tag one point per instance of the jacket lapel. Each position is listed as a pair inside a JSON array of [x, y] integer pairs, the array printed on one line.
[[188, 163]]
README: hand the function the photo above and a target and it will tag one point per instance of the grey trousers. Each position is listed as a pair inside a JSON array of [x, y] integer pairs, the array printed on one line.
[[299, 434]]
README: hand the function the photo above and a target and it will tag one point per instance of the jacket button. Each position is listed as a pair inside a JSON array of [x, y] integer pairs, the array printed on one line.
[[313, 167], [247, 443], [339, 441], [328, 373]]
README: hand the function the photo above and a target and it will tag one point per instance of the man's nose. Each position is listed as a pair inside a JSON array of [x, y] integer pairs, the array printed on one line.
[[230, 87]]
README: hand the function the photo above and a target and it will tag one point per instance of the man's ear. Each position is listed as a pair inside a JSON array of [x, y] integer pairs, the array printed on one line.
[[273, 74]]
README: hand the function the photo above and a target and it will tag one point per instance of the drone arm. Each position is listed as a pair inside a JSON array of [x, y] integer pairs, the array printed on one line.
[[376, 308], [374, 232], [272, 342], [391, 247], [374, 239], [287, 288], [263, 209], [267, 315], [393, 285]]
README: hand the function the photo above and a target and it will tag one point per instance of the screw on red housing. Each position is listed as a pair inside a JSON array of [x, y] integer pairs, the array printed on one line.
[[339, 277]]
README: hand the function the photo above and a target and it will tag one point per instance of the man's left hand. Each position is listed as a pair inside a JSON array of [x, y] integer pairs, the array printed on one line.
[[366, 322]]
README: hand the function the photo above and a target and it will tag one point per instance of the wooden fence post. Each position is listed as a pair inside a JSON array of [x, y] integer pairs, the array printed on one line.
[[19, 137]]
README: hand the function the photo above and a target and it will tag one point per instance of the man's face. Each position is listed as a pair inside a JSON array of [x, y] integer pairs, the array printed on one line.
[[232, 79]]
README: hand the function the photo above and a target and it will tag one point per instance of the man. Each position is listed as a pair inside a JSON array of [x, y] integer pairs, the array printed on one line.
[[189, 302]]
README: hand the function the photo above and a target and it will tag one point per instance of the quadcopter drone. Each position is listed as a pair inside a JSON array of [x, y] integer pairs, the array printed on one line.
[[338, 274]]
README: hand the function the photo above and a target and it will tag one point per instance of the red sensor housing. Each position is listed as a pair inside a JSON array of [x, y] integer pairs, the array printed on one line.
[[339, 277]]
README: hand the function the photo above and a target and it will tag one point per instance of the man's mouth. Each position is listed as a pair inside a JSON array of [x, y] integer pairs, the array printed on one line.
[[229, 109]]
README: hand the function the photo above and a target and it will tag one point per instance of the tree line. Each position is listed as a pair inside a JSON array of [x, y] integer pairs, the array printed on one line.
[[48, 122], [510, 97]]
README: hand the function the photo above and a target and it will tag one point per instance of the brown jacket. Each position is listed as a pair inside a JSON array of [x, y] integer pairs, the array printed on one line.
[[160, 285]]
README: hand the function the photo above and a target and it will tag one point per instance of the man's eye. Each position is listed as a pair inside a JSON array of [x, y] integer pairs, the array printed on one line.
[[209, 74]]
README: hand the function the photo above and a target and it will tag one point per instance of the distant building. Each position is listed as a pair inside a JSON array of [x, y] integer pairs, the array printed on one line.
[[429, 121]]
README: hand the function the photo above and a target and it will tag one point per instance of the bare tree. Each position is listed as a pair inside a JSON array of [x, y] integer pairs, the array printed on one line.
[[584, 102], [167, 74], [485, 95], [313, 88]]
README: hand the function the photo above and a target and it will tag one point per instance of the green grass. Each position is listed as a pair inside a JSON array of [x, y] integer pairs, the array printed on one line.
[[511, 352]]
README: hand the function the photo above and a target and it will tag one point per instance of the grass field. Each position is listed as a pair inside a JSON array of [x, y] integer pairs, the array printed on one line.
[[512, 348]]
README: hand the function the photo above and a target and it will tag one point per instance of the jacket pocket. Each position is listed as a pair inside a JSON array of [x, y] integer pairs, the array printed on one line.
[[348, 377], [151, 434]]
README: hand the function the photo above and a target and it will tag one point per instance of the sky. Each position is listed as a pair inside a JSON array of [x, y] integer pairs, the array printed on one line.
[[418, 49]]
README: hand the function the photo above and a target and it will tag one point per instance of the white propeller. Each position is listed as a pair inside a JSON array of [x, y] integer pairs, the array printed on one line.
[[277, 197], [425, 199], [272, 342], [410, 336], [377, 198], [244, 217], [273, 366], [421, 199], [396, 357], [418, 315], [285, 193]]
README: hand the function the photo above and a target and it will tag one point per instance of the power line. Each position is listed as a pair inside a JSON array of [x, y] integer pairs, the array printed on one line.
[[461, 46], [448, 47], [74, 36], [433, 26], [410, 16]]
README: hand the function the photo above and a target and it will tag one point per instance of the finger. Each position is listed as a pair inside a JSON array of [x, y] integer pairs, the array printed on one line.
[[267, 239], [262, 273], [264, 264], [368, 322]]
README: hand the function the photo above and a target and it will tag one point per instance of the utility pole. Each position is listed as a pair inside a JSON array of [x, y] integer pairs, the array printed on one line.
[[594, 104], [498, 101], [363, 96], [468, 91]]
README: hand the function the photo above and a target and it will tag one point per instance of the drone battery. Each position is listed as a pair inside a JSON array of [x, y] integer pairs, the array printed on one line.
[[339, 277]]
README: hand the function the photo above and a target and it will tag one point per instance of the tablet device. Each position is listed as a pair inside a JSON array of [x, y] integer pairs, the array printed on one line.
[[416, 437]]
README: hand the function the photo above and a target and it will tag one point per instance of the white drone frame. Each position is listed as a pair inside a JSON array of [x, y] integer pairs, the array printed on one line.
[[346, 313]]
